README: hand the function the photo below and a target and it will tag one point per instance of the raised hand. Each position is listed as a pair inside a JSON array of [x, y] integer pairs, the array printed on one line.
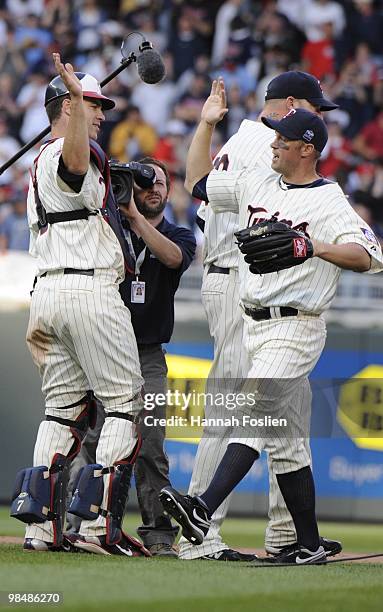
[[66, 72], [215, 108]]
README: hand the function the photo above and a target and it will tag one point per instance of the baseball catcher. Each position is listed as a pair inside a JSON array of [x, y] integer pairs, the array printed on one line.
[[272, 245]]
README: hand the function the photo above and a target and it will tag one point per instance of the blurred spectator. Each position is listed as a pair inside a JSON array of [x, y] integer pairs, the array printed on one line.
[[5, 201], [8, 108], [274, 31], [8, 147], [119, 94], [369, 143], [275, 61], [185, 45], [369, 76], [20, 9], [225, 16], [201, 66], [233, 120], [64, 40], [11, 58], [316, 13], [14, 230], [349, 92], [88, 19], [293, 10], [172, 147], [366, 65], [164, 94], [31, 102], [180, 209], [202, 14], [56, 12], [360, 179], [34, 40], [318, 55], [132, 137], [364, 24], [189, 106], [336, 158], [236, 68], [252, 111]]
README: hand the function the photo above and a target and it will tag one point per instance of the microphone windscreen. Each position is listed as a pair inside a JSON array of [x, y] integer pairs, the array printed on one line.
[[150, 66]]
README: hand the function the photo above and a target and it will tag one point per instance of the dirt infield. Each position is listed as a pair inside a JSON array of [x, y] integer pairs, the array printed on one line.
[[260, 552]]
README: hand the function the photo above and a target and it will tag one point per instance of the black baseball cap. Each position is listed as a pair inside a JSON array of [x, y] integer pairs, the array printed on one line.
[[300, 85], [301, 124]]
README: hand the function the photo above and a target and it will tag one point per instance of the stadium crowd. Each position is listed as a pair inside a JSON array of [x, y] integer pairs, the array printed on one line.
[[248, 42]]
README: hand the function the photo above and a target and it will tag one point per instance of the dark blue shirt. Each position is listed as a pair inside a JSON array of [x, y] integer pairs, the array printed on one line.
[[153, 321]]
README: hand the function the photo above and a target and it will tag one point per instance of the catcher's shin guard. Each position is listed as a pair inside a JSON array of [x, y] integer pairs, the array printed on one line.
[[89, 494], [38, 495], [40, 492]]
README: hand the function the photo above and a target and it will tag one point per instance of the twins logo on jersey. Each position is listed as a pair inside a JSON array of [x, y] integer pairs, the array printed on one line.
[[253, 219]]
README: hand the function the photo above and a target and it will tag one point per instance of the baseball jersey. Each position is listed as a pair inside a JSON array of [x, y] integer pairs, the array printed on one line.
[[80, 244], [249, 147], [321, 210]]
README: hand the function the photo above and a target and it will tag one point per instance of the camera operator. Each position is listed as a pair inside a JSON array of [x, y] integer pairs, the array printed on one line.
[[162, 252]]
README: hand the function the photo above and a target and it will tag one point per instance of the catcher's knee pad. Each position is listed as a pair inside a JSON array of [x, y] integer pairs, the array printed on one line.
[[38, 495], [89, 492]]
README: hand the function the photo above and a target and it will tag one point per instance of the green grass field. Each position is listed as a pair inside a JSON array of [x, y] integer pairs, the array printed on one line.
[[93, 583]]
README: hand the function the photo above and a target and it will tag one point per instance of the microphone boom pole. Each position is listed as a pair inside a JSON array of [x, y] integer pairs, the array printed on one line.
[[125, 62]]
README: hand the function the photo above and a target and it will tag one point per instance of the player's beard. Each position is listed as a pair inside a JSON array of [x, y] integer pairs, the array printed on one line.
[[149, 212]]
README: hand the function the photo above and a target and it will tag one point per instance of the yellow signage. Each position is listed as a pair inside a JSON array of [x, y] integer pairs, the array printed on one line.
[[186, 384], [360, 407]]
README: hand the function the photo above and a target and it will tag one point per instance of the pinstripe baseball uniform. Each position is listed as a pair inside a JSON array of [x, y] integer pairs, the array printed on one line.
[[79, 334], [284, 350], [249, 147]]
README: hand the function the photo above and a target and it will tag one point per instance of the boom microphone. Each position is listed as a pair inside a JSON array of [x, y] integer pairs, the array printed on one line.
[[151, 68]]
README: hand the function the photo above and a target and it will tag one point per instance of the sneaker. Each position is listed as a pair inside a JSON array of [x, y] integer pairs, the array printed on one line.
[[229, 555], [299, 555], [190, 512], [36, 545], [162, 549], [127, 546], [331, 547]]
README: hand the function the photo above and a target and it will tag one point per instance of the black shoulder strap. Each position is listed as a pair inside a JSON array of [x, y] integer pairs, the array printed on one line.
[[44, 218]]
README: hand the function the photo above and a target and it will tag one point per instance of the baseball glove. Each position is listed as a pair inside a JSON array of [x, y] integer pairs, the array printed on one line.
[[272, 245]]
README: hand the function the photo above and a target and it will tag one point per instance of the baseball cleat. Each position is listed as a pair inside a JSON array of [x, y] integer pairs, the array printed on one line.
[[190, 512], [331, 547], [299, 555], [162, 549], [36, 545], [228, 554], [127, 546]]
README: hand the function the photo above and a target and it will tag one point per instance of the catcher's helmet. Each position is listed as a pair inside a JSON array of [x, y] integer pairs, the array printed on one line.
[[90, 89]]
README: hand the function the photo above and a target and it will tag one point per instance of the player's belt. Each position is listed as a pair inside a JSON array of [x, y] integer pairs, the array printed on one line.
[[260, 314], [89, 272], [217, 270]]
